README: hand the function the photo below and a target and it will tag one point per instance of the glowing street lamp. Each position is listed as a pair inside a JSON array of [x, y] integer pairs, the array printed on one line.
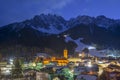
[[7, 71], [89, 64], [80, 54], [34, 64]]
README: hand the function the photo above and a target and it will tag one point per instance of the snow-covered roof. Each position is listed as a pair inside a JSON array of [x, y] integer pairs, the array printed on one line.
[[87, 77]]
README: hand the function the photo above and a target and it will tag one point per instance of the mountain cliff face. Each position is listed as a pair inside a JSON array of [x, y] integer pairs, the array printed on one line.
[[51, 31]]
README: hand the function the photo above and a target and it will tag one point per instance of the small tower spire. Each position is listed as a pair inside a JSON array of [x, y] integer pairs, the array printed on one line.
[[65, 53]]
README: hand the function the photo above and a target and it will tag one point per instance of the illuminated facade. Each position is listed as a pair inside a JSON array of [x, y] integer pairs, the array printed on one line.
[[60, 61]]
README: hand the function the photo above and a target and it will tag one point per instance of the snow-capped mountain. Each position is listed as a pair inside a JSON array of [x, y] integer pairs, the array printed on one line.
[[52, 24], [55, 24], [49, 30], [49, 23], [100, 21]]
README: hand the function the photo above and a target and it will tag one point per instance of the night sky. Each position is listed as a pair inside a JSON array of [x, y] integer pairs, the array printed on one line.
[[18, 10]]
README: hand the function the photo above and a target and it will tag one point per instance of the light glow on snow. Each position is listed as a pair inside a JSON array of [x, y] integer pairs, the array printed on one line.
[[91, 47]]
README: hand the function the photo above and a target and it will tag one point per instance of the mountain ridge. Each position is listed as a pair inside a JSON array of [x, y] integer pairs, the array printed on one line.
[[48, 31], [46, 21]]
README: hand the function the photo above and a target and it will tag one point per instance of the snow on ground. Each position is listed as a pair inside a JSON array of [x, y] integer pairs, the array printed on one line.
[[67, 39], [80, 45]]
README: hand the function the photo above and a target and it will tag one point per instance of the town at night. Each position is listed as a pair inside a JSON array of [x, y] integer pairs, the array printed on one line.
[[59, 40]]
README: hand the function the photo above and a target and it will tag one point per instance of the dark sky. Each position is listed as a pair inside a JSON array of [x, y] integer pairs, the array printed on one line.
[[18, 10]]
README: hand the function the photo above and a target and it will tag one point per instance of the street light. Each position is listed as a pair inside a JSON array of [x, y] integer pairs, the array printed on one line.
[[89, 64]]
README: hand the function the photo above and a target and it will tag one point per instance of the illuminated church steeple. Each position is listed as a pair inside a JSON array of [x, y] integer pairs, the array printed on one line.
[[65, 53]]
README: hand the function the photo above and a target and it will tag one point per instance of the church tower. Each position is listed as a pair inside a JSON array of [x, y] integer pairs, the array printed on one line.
[[65, 53]]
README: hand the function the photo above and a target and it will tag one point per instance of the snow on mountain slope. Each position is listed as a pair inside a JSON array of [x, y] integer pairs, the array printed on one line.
[[55, 24], [100, 21], [85, 26], [80, 45], [80, 20], [52, 24], [43, 29], [51, 30]]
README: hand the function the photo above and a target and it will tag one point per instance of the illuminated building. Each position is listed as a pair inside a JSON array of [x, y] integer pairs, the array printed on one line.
[[75, 60], [46, 61], [60, 61], [83, 54]]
